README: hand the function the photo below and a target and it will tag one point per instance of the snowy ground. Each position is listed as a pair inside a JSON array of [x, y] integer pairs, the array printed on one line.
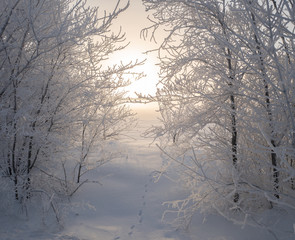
[[128, 205]]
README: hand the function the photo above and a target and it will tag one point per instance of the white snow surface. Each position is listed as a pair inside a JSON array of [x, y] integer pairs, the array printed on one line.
[[128, 205]]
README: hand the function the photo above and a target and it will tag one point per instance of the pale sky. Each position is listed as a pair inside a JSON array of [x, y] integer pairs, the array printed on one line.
[[132, 21]]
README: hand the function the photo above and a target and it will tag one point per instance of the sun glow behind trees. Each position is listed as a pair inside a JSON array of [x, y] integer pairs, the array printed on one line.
[[147, 83], [131, 22], [226, 99]]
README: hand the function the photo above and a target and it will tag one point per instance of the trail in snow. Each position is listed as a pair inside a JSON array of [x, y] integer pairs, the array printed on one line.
[[128, 204]]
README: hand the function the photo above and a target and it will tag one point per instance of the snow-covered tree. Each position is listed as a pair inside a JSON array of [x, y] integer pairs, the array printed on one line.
[[58, 97], [227, 101]]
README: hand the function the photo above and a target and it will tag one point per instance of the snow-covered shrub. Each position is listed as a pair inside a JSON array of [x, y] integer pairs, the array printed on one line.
[[227, 103], [58, 99]]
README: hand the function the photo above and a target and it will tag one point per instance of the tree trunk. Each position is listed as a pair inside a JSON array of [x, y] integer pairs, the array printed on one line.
[[274, 163], [233, 113]]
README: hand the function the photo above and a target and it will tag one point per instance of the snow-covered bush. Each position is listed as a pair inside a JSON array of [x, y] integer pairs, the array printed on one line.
[[227, 102], [58, 99]]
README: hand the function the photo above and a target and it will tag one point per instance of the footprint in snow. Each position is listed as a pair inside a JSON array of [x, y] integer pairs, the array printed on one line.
[[66, 237], [140, 212]]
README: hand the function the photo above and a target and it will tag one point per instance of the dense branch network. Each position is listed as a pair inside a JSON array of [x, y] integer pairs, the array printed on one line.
[[227, 101]]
